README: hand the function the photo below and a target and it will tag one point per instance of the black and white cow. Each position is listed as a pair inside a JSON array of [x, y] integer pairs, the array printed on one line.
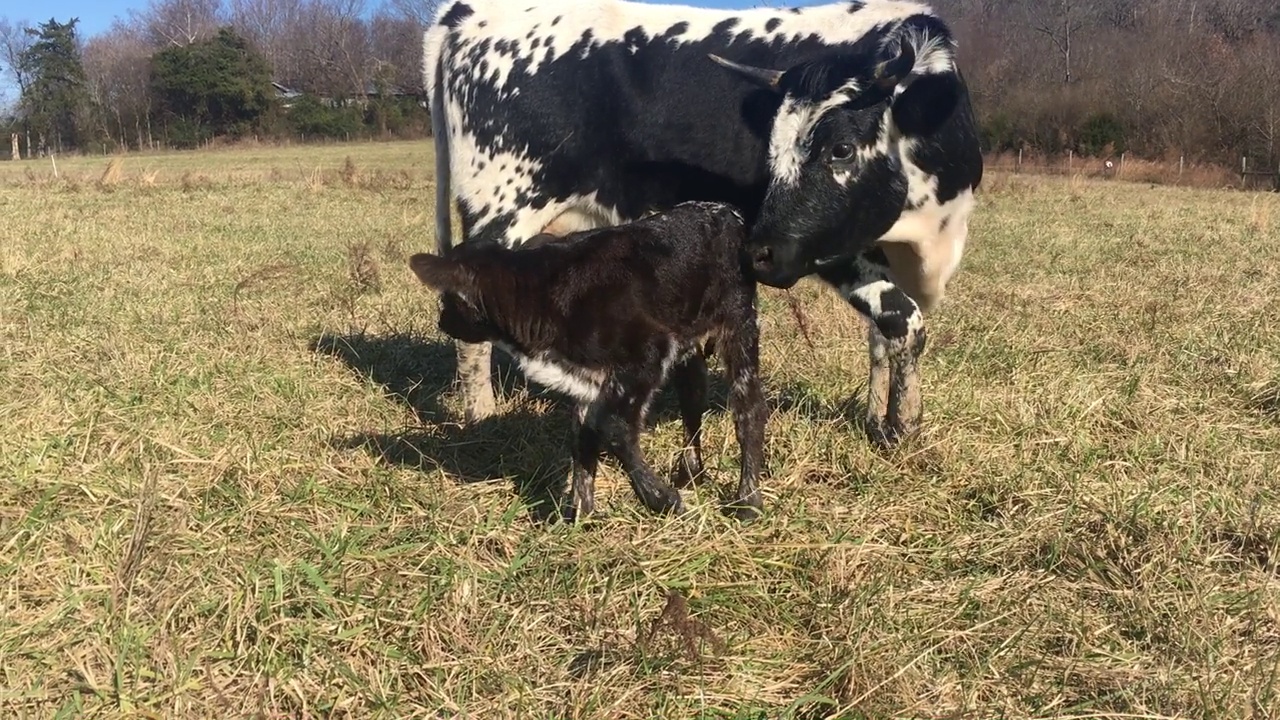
[[843, 133]]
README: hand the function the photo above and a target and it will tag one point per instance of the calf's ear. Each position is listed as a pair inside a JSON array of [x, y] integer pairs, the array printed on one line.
[[439, 273]]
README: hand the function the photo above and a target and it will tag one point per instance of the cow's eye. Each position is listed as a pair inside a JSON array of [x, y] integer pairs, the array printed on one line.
[[842, 152]]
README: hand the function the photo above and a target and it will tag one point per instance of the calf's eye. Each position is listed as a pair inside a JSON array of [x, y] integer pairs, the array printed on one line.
[[842, 152]]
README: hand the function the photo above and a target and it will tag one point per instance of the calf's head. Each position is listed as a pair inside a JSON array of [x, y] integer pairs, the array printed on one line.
[[836, 182], [462, 311]]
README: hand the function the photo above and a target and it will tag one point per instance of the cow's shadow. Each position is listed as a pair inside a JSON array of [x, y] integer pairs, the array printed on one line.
[[530, 448]]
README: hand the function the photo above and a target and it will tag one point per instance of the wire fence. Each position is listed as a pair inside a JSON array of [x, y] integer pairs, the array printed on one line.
[[1251, 175]]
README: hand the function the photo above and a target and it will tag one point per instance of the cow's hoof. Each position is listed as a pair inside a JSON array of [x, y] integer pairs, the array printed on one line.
[[886, 435], [480, 411]]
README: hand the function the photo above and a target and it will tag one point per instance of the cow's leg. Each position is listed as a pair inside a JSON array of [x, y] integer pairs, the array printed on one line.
[[896, 340], [690, 379], [476, 380], [740, 348]]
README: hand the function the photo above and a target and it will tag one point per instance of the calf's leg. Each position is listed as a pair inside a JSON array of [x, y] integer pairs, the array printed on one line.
[[740, 345], [586, 459], [690, 379], [896, 341], [618, 422]]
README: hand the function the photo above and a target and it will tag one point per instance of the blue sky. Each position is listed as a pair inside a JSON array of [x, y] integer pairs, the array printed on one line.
[[96, 15]]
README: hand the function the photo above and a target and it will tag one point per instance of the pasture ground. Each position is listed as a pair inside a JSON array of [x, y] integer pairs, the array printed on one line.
[[233, 485]]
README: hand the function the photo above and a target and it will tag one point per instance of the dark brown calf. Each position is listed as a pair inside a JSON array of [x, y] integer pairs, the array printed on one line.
[[606, 316]]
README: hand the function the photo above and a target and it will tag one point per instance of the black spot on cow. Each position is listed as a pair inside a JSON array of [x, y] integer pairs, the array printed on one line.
[[772, 24], [794, 11], [635, 36], [531, 33], [456, 15], [536, 42], [678, 29], [556, 21], [856, 5], [725, 26], [484, 23], [942, 226]]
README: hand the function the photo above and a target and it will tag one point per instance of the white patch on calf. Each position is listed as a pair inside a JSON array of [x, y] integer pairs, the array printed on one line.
[[579, 383]]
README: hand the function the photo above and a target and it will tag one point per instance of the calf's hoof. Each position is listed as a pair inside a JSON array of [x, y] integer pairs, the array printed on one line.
[[688, 471], [742, 512], [588, 519]]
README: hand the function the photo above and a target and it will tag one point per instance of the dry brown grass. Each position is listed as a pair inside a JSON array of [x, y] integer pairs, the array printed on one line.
[[1137, 170], [234, 485]]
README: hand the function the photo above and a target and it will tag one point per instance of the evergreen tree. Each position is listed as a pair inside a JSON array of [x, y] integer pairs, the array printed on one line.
[[55, 99], [219, 86]]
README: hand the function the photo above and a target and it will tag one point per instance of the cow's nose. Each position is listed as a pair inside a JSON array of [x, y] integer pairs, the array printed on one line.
[[762, 259]]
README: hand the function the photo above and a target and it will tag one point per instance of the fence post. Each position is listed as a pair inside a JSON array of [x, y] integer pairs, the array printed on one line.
[[1070, 158], [1120, 172], [1180, 159], [1244, 171], [1019, 168]]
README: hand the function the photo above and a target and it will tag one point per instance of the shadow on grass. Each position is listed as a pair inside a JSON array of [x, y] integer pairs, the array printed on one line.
[[532, 449], [410, 369], [416, 371]]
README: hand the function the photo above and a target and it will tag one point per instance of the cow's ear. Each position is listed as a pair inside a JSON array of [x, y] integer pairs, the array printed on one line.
[[760, 76], [926, 100], [926, 103], [439, 273]]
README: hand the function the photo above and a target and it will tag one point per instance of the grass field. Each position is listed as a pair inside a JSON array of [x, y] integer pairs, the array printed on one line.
[[233, 484]]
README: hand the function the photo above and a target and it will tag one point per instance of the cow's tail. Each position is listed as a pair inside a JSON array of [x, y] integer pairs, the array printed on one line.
[[440, 136]]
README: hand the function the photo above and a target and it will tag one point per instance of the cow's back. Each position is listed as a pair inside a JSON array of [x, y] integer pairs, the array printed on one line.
[[615, 104]]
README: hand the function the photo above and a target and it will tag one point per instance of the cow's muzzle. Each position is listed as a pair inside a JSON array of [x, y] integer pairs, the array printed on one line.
[[773, 267]]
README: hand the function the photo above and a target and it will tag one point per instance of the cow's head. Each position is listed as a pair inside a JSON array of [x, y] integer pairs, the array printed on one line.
[[462, 313], [836, 182]]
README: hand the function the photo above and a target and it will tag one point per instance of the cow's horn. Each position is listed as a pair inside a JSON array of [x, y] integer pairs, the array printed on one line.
[[891, 72], [761, 76]]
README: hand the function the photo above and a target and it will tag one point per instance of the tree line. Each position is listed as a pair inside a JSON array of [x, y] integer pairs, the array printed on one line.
[[1157, 78], [180, 73]]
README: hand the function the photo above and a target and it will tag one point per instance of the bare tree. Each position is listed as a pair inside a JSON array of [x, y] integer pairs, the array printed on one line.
[[14, 41], [272, 25], [395, 46], [423, 12], [1060, 20], [117, 63], [180, 22], [338, 47]]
